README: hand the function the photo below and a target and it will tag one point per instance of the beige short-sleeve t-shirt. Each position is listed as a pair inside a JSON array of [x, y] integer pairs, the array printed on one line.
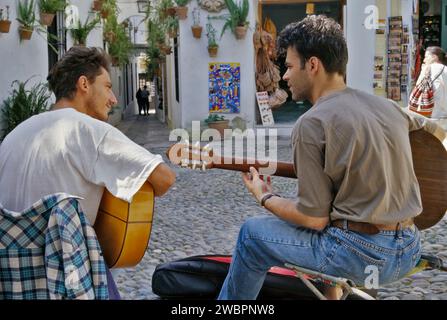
[[353, 159]]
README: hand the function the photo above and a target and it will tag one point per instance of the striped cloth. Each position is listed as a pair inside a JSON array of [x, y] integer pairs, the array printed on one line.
[[50, 251]]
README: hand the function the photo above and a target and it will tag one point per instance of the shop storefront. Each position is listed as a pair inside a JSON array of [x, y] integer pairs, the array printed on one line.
[[385, 40]]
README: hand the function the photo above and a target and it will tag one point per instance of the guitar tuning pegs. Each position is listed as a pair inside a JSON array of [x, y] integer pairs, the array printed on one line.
[[184, 163]]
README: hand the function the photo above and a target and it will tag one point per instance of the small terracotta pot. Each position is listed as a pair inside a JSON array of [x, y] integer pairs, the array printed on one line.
[[171, 11], [182, 12], [219, 126], [212, 51], [115, 61], [240, 32], [197, 31], [25, 34], [4, 26], [46, 19], [97, 5]]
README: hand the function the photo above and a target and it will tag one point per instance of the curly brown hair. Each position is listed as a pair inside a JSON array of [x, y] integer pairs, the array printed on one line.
[[317, 36], [77, 62]]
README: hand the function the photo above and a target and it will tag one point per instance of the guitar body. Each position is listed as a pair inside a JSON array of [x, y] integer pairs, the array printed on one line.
[[123, 229], [430, 166]]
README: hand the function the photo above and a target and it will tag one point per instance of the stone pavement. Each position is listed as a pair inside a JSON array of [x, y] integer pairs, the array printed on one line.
[[202, 214]]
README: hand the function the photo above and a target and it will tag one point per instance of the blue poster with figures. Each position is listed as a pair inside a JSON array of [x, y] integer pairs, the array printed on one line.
[[224, 82]]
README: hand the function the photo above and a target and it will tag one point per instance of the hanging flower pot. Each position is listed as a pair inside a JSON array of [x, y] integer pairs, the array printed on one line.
[[97, 5], [115, 61], [167, 50], [171, 11], [182, 12], [212, 51], [25, 34], [46, 19], [4, 26], [196, 31], [240, 32], [104, 14]]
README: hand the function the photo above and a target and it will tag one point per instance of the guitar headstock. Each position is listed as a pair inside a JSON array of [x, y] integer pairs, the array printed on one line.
[[191, 155]]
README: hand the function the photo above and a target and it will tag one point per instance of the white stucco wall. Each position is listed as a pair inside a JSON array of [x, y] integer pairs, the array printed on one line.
[[20, 60], [361, 46], [193, 68]]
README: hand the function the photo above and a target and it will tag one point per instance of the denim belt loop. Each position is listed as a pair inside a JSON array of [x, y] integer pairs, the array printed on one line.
[[398, 234], [345, 225]]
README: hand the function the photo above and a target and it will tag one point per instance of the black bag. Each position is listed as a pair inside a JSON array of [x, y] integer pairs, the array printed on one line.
[[201, 277]]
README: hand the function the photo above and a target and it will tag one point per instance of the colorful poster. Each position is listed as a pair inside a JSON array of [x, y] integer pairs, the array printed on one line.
[[224, 83]]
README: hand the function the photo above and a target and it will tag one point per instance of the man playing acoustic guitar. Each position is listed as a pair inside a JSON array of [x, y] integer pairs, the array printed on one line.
[[357, 189], [72, 149]]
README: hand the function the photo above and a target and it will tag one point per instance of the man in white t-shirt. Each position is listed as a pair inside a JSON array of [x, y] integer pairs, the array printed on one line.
[[72, 149]]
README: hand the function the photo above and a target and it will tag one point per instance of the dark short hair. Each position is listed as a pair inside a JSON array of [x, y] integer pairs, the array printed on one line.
[[317, 36], [77, 62], [439, 52]]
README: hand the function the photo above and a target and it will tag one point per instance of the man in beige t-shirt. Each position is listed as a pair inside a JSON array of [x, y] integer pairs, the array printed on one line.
[[357, 190]]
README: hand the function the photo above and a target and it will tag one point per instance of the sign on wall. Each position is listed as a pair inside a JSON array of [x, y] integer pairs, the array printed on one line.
[[224, 82], [264, 108]]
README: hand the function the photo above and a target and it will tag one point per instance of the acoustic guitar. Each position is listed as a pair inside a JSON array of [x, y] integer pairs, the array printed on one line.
[[123, 229], [429, 162]]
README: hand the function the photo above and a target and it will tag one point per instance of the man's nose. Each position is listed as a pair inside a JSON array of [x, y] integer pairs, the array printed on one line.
[[113, 99]]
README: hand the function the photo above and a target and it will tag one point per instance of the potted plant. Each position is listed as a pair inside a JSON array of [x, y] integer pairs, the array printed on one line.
[[81, 31], [196, 27], [218, 122], [121, 46], [22, 104], [108, 8], [97, 5], [27, 18], [237, 19], [181, 10], [48, 9], [212, 43], [172, 25], [166, 9], [5, 23]]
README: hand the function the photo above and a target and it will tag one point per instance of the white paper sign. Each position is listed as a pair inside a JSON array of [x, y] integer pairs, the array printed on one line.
[[264, 108]]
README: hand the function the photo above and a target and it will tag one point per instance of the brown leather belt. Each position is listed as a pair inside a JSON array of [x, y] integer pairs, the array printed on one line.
[[369, 228]]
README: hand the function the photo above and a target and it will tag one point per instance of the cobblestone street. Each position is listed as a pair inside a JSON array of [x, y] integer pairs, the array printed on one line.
[[204, 210]]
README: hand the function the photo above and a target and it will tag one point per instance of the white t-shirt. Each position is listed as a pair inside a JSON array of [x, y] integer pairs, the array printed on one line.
[[67, 151], [440, 88]]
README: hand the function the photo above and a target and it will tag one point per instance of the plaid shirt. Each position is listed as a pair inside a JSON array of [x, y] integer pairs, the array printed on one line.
[[50, 251]]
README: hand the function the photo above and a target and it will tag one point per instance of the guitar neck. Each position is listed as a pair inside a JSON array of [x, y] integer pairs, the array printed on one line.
[[283, 169]]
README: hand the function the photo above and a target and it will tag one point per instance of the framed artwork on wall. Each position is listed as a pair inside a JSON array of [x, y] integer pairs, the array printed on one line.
[[224, 82]]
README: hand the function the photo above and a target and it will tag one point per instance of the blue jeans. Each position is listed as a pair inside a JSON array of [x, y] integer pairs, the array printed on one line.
[[268, 241]]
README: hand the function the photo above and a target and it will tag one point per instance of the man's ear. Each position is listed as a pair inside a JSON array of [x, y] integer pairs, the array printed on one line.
[[83, 84], [314, 65]]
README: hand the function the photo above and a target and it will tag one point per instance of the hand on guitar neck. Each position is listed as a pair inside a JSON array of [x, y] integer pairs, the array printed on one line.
[[203, 158], [429, 162]]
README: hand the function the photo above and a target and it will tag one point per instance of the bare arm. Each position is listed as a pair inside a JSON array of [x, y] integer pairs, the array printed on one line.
[[161, 179], [282, 208], [286, 210]]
